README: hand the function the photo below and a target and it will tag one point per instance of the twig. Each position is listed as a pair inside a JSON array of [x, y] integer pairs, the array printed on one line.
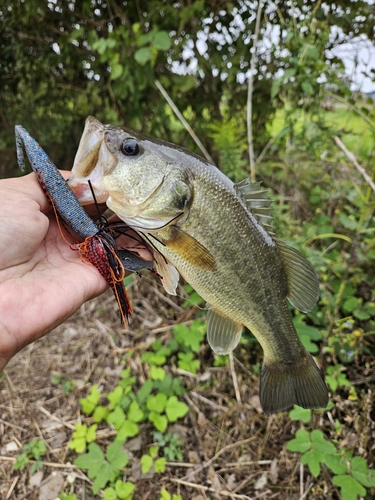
[[353, 159], [234, 378], [250, 93], [306, 492], [208, 402], [183, 121], [46, 412], [13, 485], [219, 453], [213, 490]]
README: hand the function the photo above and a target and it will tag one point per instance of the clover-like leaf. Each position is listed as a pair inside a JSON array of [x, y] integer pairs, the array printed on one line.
[[313, 459], [160, 421], [175, 409], [135, 413], [299, 413], [301, 442], [321, 444], [127, 429], [360, 471], [146, 463], [157, 403], [115, 456], [350, 487]]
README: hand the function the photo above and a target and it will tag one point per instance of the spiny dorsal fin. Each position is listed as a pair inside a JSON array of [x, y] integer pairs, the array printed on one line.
[[256, 201], [303, 282]]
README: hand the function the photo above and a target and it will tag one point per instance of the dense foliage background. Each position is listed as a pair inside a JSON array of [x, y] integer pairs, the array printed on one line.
[[63, 60]]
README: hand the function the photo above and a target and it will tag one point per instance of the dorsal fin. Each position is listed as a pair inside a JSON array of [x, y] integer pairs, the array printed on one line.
[[256, 201], [303, 282]]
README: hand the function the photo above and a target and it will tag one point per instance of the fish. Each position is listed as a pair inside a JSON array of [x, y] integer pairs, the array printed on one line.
[[218, 236]]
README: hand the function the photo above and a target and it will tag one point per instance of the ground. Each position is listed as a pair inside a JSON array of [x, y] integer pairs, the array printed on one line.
[[229, 445]]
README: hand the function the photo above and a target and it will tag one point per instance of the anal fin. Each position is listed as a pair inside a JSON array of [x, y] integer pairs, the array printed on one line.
[[223, 334]]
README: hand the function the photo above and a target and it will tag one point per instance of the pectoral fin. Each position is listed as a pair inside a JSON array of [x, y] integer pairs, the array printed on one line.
[[303, 282], [189, 249], [223, 334], [169, 274]]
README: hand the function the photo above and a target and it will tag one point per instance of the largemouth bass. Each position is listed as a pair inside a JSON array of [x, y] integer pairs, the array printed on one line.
[[215, 234]]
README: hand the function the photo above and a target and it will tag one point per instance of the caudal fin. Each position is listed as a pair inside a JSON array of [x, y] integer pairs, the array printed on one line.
[[299, 383]]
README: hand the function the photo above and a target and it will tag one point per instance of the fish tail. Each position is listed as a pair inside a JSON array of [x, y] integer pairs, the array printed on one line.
[[283, 385]]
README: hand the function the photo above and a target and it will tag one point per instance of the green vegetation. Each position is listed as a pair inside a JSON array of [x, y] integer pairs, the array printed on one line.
[[80, 60]]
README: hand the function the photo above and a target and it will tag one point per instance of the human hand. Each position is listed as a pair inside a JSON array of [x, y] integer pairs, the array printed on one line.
[[42, 280]]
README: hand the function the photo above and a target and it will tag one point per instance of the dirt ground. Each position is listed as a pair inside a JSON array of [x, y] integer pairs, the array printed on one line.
[[231, 450]]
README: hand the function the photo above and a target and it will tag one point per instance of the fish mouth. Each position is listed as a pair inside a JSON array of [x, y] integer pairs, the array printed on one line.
[[91, 163]]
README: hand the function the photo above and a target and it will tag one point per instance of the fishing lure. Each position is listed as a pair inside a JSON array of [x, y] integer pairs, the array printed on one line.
[[98, 244]]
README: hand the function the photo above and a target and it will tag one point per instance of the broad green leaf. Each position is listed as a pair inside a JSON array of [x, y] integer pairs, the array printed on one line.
[[89, 404], [116, 417], [162, 41], [115, 397], [146, 463], [124, 490], [157, 403], [92, 461], [313, 458], [165, 495], [337, 463], [160, 421], [175, 409], [307, 87], [115, 456], [159, 465], [91, 433], [144, 391], [78, 444], [117, 70], [127, 429], [143, 55], [300, 443], [275, 88], [100, 414], [153, 451], [105, 475], [299, 413], [157, 373], [350, 487], [109, 494], [321, 444], [359, 470], [135, 413]]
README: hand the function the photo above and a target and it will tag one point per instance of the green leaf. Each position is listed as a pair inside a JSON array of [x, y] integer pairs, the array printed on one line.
[[175, 409], [313, 458], [115, 397], [116, 71], [146, 463], [321, 444], [159, 465], [187, 362], [109, 494], [92, 461], [275, 88], [300, 443], [143, 55], [157, 403], [144, 391], [165, 495], [162, 41], [157, 373], [135, 413], [337, 463], [124, 490], [359, 470], [105, 475], [91, 433], [160, 421], [153, 451], [115, 456], [116, 418], [127, 429], [350, 487], [299, 413], [100, 414], [307, 87], [89, 404]]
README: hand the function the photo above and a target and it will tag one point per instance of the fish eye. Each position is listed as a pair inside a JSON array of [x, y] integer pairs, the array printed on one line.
[[130, 147]]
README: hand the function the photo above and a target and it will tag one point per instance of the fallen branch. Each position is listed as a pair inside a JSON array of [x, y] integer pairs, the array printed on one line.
[[353, 159], [223, 493]]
